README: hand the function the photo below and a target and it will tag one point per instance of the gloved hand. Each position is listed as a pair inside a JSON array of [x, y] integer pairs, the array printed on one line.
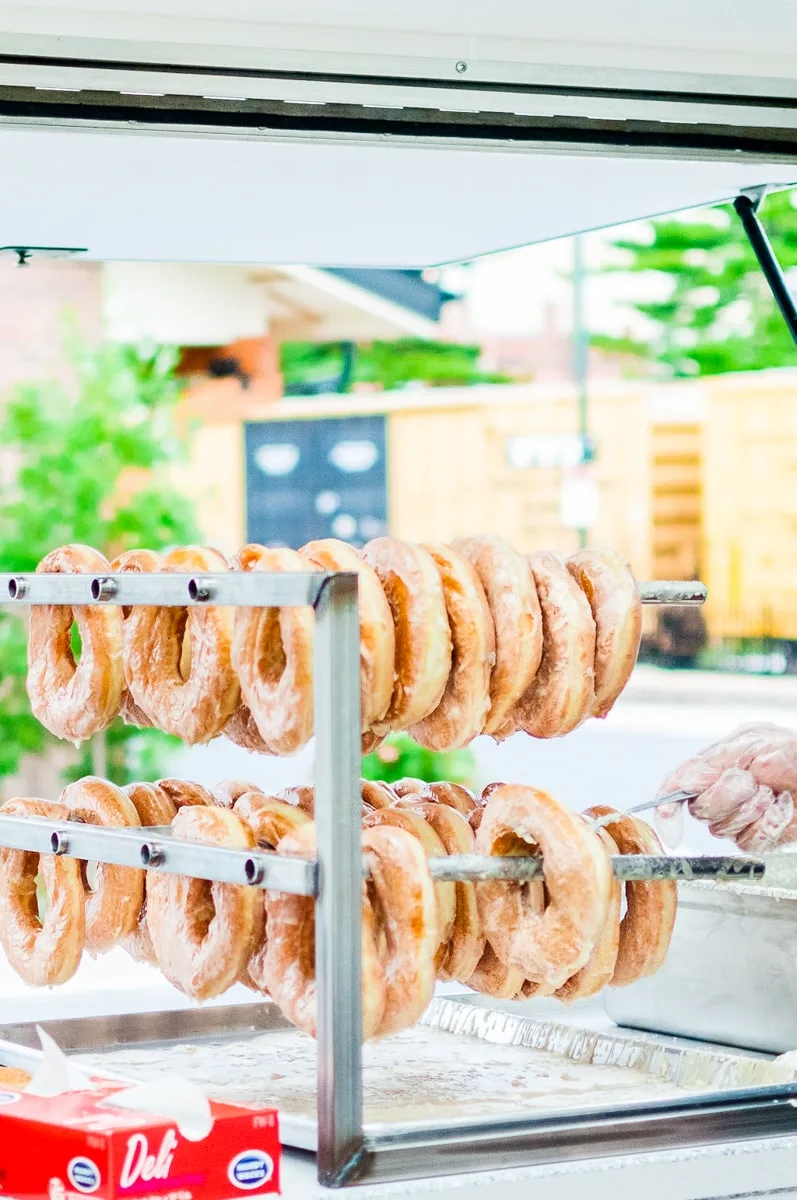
[[744, 787]]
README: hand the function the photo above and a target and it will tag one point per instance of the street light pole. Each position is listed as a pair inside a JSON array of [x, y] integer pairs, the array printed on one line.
[[580, 350]]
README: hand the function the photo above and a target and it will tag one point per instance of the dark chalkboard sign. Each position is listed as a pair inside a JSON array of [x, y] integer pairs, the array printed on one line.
[[316, 479]]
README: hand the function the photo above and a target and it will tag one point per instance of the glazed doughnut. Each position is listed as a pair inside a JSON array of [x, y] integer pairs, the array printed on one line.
[[403, 899], [204, 933], [114, 902], [451, 795], [153, 807], [466, 944], [493, 978], [548, 943], [377, 794], [242, 730], [454, 795], [475, 818], [413, 823], [229, 791], [269, 818], [43, 951], [184, 794], [460, 715], [597, 972], [75, 700], [515, 610], [177, 660], [272, 651], [138, 562], [613, 596], [302, 796], [646, 928], [377, 635], [371, 742], [289, 962], [270, 821], [409, 787], [562, 693], [488, 791], [414, 591]]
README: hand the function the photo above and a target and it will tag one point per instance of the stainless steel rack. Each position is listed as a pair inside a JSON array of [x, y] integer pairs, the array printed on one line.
[[345, 1154]]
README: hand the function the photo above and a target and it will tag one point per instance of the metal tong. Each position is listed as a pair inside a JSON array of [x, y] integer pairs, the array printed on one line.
[[678, 797]]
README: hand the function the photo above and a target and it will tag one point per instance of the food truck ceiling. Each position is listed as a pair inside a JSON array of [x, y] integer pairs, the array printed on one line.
[[406, 135]]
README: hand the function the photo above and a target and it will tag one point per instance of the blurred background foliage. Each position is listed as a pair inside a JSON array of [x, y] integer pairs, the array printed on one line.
[[402, 758], [310, 368], [85, 459], [719, 315]]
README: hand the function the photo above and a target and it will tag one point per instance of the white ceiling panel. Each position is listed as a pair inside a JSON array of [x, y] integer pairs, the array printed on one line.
[[195, 198]]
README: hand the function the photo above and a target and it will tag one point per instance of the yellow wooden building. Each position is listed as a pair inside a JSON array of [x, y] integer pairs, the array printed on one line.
[[692, 478]]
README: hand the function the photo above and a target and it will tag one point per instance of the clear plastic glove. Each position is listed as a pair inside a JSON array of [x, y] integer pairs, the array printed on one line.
[[744, 787]]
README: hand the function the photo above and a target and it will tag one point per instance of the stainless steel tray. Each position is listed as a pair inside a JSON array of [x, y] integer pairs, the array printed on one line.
[[465, 1070], [731, 972]]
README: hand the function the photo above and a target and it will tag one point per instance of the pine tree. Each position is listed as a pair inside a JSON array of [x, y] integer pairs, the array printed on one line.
[[719, 315]]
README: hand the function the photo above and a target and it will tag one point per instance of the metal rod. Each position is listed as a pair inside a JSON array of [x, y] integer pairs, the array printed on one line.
[[747, 206], [672, 591], [287, 589], [236, 588], [156, 849], [339, 902], [626, 867]]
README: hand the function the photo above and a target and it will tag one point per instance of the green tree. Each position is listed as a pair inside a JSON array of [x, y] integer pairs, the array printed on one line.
[[338, 366], [719, 315], [66, 447], [402, 758]]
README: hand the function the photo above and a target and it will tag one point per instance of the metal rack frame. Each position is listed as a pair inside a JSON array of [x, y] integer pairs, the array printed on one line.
[[346, 1154]]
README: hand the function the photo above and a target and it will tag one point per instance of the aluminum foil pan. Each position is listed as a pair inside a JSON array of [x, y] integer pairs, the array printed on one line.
[[463, 1064]]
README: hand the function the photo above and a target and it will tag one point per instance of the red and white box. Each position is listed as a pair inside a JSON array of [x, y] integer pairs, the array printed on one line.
[[77, 1144]]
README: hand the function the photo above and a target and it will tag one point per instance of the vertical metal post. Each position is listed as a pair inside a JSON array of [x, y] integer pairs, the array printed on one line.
[[747, 206], [338, 907]]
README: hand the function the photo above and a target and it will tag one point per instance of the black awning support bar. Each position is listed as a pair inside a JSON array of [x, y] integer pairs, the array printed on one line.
[[747, 205]]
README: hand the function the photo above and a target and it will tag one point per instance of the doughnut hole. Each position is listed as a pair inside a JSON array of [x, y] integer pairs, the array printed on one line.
[[75, 643], [184, 642], [41, 895], [271, 659], [509, 845], [36, 896]]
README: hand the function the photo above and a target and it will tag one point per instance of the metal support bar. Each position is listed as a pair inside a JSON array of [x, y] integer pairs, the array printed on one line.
[[747, 205], [248, 589], [236, 588], [157, 849], [339, 902]]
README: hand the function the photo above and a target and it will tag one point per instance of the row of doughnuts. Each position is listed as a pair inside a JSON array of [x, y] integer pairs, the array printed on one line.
[[566, 938], [455, 641]]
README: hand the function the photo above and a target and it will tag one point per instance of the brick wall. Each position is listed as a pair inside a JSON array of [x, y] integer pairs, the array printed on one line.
[[33, 303]]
